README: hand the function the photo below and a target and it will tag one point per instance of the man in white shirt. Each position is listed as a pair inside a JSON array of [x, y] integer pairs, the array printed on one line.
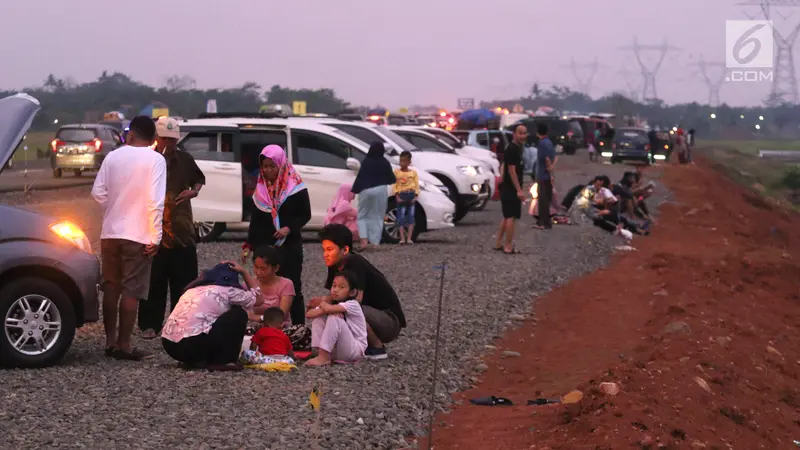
[[131, 187]]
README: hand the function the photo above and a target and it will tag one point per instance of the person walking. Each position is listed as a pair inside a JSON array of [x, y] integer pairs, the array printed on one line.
[[175, 264], [371, 186], [282, 209], [511, 194], [545, 161], [130, 187]]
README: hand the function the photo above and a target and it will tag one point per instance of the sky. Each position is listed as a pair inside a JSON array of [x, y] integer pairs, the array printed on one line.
[[396, 53]]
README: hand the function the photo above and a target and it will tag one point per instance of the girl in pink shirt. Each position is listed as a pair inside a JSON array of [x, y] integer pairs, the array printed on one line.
[[341, 210]]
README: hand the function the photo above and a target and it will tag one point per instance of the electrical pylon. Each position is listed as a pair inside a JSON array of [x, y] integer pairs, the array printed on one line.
[[714, 83], [584, 85], [649, 91]]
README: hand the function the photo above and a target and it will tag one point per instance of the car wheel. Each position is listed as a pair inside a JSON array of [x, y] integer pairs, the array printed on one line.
[[570, 150], [38, 323], [461, 208], [78, 173], [481, 205], [209, 231], [56, 173], [391, 232]]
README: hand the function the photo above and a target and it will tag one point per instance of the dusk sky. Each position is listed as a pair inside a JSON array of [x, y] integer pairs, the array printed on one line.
[[393, 53]]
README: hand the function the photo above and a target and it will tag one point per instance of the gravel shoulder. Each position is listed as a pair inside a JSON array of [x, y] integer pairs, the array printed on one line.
[[92, 402]]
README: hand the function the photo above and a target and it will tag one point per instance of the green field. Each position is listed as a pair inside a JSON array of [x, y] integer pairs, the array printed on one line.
[[35, 140], [739, 160]]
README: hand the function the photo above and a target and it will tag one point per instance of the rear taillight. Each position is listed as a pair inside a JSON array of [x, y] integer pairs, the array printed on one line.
[[97, 143], [647, 146], [55, 143], [614, 145]]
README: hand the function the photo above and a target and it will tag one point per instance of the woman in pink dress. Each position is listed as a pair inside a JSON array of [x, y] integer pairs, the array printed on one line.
[[341, 210]]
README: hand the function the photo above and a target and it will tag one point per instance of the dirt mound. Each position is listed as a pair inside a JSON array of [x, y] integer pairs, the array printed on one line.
[[698, 329]]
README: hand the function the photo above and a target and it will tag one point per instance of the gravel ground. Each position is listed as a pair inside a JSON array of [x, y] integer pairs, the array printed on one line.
[[93, 402]]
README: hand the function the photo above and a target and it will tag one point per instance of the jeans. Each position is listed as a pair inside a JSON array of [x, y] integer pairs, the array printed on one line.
[[545, 198], [405, 209], [372, 205]]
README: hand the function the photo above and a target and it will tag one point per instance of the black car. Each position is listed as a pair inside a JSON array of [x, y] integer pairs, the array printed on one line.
[[628, 144], [566, 133]]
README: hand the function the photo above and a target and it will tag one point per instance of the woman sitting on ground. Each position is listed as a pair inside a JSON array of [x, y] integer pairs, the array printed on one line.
[[338, 326], [206, 328], [605, 209], [276, 291]]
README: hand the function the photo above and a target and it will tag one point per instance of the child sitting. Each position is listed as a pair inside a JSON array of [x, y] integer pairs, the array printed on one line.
[[270, 344], [406, 191], [338, 328], [341, 210]]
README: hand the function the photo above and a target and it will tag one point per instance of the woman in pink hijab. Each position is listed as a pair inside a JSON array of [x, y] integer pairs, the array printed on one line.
[[341, 210], [282, 209]]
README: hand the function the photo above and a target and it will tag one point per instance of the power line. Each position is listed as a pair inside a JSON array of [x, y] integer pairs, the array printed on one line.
[[714, 84], [584, 85], [649, 91]]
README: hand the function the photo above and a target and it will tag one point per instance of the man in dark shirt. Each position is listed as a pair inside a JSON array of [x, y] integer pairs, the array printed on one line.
[[175, 264], [510, 188], [545, 161], [379, 301]]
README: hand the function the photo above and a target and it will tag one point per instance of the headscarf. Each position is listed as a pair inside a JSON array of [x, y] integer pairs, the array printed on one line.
[[270, 198], [341, 204], [375, 170], [220, 275]]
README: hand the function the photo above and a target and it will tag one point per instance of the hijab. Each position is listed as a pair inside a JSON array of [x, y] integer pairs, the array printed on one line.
[[375, 170], [269, 198], [341, 204], [220, 275]]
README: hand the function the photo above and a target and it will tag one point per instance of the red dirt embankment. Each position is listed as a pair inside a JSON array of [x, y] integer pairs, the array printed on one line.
[[698, 327]]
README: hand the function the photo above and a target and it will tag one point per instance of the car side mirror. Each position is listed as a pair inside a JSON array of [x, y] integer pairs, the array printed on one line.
[[353, 164]]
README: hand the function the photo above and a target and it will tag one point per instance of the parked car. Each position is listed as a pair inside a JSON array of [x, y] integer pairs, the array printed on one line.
[[567, 135], [49, 276], [496, 141], [483, 155], [425, 140], [629, 143], [589, 125], [226, 150], [464, 178], [82, 148], [352, 117]]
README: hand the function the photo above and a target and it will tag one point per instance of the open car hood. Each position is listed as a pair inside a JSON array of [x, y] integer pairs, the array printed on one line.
[[16, 115]]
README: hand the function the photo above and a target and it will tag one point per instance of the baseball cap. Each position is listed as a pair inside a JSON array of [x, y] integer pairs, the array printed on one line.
[[167, 127]]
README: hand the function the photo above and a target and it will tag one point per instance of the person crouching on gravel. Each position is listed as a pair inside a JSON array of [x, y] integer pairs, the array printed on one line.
[[379, 301], [338, 327]]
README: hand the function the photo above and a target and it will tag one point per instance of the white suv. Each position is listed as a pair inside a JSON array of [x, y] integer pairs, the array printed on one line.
[[227, 149], [467, 181], [486, 156]]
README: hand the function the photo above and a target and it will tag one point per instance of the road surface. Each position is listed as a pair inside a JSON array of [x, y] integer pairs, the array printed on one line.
[[38, 176]]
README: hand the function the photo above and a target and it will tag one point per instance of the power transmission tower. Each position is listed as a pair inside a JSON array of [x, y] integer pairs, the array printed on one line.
[[584, 85], [649, 91], [631, 89], [714, 83], [784, 79]]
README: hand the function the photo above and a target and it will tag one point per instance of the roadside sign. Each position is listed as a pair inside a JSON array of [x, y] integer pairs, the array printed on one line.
[[518, 109], [466, 103], [211, 106], [299, 108], [159, 112], [403, 110]]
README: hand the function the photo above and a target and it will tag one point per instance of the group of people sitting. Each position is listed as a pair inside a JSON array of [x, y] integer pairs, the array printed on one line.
[[619, 208], [360, 314]]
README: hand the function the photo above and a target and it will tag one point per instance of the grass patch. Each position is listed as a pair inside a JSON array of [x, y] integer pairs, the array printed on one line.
[[751, 147], [38, 143]]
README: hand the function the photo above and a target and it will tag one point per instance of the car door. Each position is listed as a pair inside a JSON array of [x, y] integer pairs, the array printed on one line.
[[220, 200], [247, 145], [321, 160]]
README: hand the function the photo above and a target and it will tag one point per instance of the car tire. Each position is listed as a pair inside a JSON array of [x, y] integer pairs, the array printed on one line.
[[209, 231], [570, 150], [36, 290], [461, 208], [57, 173], [480, 206], [391, 235], [78, 173]]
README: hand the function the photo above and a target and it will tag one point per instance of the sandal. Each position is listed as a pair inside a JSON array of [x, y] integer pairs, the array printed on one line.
[[134, 355], [149, 334], [109, 351], [498, 249], [512, 252]]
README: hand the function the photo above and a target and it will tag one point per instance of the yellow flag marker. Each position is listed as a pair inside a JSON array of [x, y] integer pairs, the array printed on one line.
[[314, 399]]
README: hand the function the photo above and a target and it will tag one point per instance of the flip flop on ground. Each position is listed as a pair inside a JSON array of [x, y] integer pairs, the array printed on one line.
[[134, 355]]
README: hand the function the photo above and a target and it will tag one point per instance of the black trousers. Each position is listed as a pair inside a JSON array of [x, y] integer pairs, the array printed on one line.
[[172, 268], [545, 199], [221, 345], [292, 268]]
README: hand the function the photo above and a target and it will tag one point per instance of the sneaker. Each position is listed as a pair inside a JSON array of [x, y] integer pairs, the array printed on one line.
[[375, 354]]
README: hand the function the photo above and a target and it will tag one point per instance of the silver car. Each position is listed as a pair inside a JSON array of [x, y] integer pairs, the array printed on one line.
[[48, 274]]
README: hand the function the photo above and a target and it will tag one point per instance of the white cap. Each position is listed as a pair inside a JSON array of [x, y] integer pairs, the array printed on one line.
[[167, 127]]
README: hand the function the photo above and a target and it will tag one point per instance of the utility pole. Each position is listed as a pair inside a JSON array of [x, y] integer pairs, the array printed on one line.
[[584, 85], [784, 79], [649, 91], [714, 83]]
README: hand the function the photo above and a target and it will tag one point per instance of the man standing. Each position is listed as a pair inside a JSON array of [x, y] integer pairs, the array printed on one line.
[[130, 188], [545, 160], [175, 264], [511, 194]]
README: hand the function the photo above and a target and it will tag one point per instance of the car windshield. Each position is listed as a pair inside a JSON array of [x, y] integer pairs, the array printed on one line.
[[446, 137], [632, 136], [75, 134], [396, 139], [575, 127], [344, 136]]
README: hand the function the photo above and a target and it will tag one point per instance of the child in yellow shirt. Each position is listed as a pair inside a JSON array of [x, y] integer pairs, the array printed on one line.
[[406, 191]]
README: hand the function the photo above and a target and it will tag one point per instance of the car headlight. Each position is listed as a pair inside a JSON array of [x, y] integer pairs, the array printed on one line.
[[469, 170], [430, 187], [72, 233]]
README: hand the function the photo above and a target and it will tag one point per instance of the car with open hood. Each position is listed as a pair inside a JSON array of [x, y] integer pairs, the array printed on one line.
[[49, 276]]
